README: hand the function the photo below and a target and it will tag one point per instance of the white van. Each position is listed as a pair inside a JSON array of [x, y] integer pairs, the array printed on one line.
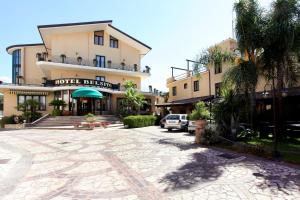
[[176, 121]]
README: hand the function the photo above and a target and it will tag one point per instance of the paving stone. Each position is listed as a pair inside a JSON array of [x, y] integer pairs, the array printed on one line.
[[130, 164]]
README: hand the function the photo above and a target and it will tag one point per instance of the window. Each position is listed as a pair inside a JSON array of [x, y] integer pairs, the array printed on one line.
[[113, 42], [173, 117], [16, 66], [100, 78], [196, 86], [57, 95], [98, 38], [218, 89], [41, 99], [100, 61], [218, 68], [174, 91], [185, 86]]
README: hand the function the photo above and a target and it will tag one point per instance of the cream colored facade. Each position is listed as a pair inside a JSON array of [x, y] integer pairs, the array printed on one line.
[[187, 78], [187, 94], [86, 51]]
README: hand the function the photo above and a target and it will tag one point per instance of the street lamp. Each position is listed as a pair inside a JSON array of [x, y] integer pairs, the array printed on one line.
[[265, 94]]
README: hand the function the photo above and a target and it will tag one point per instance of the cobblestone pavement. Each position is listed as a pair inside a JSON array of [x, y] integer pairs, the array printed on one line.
[[128, 164]]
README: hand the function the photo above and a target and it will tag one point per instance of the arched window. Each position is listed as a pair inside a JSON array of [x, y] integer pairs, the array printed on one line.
[[16, 66]]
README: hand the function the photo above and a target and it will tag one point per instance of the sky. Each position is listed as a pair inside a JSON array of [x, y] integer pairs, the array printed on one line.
[[175, 29]]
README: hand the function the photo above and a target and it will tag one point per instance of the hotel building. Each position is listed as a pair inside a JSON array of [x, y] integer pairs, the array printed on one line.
[[186, 89], [89, 54]]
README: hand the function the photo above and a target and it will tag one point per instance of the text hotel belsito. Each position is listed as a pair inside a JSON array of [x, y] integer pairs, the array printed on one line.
[[94, 55]]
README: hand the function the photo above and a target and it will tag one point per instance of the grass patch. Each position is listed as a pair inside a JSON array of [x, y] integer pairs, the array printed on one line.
[[290, 148]]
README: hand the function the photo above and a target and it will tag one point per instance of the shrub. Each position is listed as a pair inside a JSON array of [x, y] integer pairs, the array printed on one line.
[[210, 135], [200, 112], [139, 121], [90, 117], [56, 112], [31, 116], [7, 120]]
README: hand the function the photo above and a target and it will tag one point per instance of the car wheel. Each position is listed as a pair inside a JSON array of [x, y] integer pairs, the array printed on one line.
[[191, 132], [169, 129]]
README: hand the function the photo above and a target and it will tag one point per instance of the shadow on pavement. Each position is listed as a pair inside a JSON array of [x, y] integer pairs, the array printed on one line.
[[208, 165]]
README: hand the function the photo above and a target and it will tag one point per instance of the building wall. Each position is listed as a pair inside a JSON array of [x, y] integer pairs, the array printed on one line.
[[10, 103], [32, 73], [82, 44], [226, 45], [56, 74]]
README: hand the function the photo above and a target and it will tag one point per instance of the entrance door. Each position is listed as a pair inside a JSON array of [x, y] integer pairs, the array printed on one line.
[[85, 106]]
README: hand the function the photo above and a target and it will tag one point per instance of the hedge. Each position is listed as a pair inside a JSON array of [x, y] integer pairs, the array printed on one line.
[[137, 121]]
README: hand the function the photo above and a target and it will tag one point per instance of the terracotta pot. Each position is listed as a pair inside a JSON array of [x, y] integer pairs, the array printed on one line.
[[201, 123], [200, 127]]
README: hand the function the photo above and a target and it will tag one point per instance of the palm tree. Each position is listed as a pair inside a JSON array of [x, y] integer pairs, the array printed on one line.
[[133, 100], [214, 56], [249, 33], [282, 43], [243, 79]]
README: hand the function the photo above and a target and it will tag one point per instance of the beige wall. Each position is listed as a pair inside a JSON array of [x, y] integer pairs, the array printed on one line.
[[226, 45], [74, 45], [10, 103], [82, 44], [32, 73]]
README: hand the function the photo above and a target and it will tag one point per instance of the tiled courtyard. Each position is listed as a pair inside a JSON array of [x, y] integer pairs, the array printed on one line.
[[147, 163]]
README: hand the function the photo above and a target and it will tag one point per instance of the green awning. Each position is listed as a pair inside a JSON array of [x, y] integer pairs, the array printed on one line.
[[87, 93]]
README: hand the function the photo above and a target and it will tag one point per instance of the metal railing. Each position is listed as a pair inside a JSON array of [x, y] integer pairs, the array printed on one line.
[[94, 63]]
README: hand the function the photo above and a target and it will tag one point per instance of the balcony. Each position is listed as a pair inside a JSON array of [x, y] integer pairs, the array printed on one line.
[[79, 63]]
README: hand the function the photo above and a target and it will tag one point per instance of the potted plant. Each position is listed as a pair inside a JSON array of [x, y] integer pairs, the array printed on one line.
[[150, 88], [135, 67], [200, 114], [57, 104], [123, 65], [39, 56], [147, 69], [95, 62], [109, 63], [79, 60], [90, 118], [63, 58], [45, 55]]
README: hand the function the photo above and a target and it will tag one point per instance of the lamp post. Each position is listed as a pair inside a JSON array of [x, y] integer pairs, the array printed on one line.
[[265, 94], [209, 83]]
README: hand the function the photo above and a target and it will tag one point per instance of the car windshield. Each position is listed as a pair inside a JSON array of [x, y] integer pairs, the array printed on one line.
[[173, 117]]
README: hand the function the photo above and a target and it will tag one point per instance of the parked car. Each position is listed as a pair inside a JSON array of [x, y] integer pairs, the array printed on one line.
[[176, 121], [163, 121], [191, 127]]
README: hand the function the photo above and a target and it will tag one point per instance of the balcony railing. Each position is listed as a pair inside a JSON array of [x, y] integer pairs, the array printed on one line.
[[94, 63]]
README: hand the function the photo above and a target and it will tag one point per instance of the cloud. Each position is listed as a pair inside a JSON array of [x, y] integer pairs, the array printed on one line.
[[5, 79]]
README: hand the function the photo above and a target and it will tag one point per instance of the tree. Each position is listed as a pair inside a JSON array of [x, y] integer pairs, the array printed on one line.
[[249, 32], [133, 100], [29, 109], [57, 104], [242, 78], [213, 56], [227, 112], [281, 46]]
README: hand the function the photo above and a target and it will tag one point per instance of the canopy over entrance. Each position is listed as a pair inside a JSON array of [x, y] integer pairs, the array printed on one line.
[[87, 93]]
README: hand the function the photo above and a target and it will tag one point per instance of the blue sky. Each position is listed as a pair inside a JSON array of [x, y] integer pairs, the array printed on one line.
[[175, 29]]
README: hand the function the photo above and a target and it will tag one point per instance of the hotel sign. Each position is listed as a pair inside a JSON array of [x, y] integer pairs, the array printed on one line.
[[82, 82]]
